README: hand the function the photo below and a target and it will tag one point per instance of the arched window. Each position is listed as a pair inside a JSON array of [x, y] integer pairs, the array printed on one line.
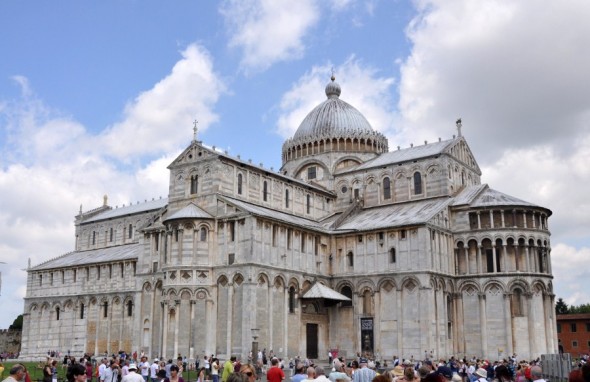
[[308, 203], [265, 191], [203, 234], [194, 184], [57, 313], [287, 198], [346, 291], [129, 309], [350, 259], [386, 188], [81, 311], [392, 256], [130, 231], [417, 183], [292, 300], [105, 312], [239, 184]]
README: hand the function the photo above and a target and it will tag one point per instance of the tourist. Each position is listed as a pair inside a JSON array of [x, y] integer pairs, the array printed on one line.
[[154, 368], [503, 374], [249, 371], [481, 375], [88, 367], [17, 374], [237, 377], [201, 374], [174, 377], [445, 372], [76, 373], [144, 367], [310, 374], [215, 369], [320, 375], [275, 373], [364, 374], [228, 368], [132, 376], [299, 373], [101, 369], [339, 374]]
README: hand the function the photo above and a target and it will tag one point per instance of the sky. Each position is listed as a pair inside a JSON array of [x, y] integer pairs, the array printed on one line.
[[98, 97]]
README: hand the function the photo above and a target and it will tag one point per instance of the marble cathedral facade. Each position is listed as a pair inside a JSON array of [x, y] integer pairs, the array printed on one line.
[[348, 246]]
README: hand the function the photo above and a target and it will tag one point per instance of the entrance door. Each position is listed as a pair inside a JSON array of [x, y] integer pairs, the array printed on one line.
[[312, 340]]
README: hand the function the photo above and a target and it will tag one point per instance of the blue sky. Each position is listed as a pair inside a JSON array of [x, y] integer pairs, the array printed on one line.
[[99, 97]]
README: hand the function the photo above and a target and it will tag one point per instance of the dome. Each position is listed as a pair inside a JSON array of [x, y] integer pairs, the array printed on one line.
[[334, 126], [333, 118]]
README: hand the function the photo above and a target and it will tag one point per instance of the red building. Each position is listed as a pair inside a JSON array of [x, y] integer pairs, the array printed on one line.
[[573, 333]]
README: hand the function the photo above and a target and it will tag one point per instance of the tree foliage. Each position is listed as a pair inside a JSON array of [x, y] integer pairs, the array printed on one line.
[[584, 308], [18, 323], [561, 307]]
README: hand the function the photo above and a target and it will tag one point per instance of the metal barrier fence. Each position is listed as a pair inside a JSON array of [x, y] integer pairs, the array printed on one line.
[[556, 367]]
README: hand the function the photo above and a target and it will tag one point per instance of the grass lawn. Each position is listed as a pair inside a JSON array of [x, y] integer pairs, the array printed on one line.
[[35, 370]]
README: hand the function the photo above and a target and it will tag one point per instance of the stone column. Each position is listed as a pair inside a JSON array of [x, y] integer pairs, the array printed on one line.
[[165, 329], [549, 311], [191, 331], [466, 253], [483, 324], [400, 322], [528, 258], [503, 223], [270, 311], [377, 322], [524, 222], [480, 259], [531, 326], [478, 220], [176, 324], [508, 321], [495, 258], [460, 323], [285, 323], [97, 326], [491, 219], [503, 259], [211, 321], [230, 313]]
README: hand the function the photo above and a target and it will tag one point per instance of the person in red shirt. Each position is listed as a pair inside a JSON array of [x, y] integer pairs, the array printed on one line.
[[275, 374]]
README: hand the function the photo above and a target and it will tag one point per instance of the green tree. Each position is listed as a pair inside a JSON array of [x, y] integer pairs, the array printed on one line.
[[584, 308], [561, 307], [18, 323]]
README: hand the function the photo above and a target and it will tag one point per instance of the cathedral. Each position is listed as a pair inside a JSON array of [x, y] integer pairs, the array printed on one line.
[[350, 247]]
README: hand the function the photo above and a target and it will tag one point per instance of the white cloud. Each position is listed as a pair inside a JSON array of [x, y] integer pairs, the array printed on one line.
[[362, 87], [571, 271], [516, 74], [160, 120], [51, 164], [269, 31]]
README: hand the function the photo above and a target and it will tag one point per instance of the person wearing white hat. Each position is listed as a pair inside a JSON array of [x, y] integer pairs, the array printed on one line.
[[154, 367], [132, 376], [482, 375]]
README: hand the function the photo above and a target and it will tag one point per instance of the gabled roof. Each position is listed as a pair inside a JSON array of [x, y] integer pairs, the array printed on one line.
[[93, 256], [483, 196], [192, 211], [258, 168], [319, 290], [129, 210], [468, 194], [273, 214], [407, 154], [395, 215], [492, 198]]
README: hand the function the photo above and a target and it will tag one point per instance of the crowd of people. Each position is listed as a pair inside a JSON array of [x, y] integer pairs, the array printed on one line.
[[134, 368]]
